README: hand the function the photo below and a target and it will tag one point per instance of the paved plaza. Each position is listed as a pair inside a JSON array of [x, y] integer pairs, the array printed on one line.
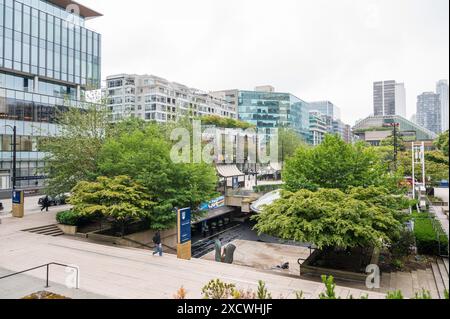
[[113, 272]]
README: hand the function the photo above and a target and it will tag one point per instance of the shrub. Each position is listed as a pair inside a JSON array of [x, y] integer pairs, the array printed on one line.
[[424, 294], [401, 246], [299, 295], [263, 293], [397, 263], [394, 295], [69, 218], [241, 294], [330, 287], [181, 294], [217, 289], [428, 241]]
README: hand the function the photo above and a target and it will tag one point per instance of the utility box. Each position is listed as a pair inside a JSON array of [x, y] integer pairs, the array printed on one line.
[[18, 204]]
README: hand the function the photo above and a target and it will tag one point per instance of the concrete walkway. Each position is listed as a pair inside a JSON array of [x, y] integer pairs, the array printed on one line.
[[443, 219], [115, 272], [20, 286], [31, 207]]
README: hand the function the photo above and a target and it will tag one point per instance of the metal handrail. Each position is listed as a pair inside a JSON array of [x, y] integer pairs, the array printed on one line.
[[48, 272]]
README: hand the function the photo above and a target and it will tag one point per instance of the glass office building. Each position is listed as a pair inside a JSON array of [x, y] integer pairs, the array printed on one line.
[[269, 110], [48, 60]]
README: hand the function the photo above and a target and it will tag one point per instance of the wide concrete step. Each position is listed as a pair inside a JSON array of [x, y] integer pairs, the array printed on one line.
[[445, 260], [36, 229], [439, 280], [50, 230], [444, 273]]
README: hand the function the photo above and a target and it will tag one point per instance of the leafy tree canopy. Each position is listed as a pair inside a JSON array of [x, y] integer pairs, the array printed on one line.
[[436, 166], [442, 143], [337, 165], [332, 218], [225, 122], [72, 154], [118, 198], [288, 143], [144, 155]]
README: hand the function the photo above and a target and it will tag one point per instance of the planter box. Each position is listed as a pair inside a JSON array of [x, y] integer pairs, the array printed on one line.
[[68, 230], [308, 269]]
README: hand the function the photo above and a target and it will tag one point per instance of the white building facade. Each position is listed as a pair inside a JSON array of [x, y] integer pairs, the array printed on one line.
[[152, 98]]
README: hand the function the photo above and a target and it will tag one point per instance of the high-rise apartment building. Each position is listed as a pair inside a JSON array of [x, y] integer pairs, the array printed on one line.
[[155, 99], [389, 98], [442, 90], [317, 127], [48, 60], [429, 112], [326, 108]]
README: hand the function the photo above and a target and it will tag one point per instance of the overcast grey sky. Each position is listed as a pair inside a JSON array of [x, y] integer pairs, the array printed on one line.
[[316, 49]]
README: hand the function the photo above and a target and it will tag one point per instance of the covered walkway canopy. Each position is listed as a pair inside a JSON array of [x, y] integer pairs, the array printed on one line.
[[214, 213], [229, 171]]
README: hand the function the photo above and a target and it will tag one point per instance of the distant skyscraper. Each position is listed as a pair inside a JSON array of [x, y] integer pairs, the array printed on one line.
[[442, 90], [389, 98], [429, 111], [413, 118]]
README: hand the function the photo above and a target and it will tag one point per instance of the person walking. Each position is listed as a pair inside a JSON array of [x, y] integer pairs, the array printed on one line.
[[158, 244], [45, 204]]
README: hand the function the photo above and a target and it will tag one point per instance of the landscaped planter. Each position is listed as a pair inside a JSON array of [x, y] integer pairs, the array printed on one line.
[[68, 230], [307, 268]]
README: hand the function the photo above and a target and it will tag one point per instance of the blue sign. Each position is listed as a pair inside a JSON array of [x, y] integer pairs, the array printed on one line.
[[184, 225], [17, 197], [213, 204]]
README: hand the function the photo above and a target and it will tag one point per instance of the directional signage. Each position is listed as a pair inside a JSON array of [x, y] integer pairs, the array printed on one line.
[[17, 197], [184, 225]]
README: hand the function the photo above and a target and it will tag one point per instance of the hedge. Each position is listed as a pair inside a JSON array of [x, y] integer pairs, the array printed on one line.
[[427, 238], [69, 218]]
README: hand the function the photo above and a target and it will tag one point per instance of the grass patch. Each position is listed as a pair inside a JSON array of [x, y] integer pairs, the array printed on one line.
[[428, 240]]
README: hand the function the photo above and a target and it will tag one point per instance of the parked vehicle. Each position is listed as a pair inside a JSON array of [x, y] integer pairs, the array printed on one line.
[[57, 200]]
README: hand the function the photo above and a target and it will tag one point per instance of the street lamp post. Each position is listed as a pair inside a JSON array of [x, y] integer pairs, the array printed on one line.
[[395, 125], [14, 170]]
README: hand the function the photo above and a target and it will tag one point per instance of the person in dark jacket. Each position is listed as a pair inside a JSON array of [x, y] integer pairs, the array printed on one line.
[[45, 204], [158, 244]]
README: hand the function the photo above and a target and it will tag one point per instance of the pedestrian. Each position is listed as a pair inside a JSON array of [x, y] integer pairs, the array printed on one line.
[[158, 244], [45, 203]]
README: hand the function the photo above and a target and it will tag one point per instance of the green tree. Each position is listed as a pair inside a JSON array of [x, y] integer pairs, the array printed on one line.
[[145, 156], [336, 164], [390, 142], [224, 122], [436, 166], [118, 198], [331, 218], [288, 143], [442, 143], [72, 154]]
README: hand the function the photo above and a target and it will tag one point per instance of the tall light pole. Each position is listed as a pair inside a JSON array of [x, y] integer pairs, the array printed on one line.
[[14, 144], [395, 125]]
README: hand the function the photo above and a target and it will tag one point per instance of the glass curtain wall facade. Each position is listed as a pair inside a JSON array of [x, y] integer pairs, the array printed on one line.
[[270, 110], [48, 59]]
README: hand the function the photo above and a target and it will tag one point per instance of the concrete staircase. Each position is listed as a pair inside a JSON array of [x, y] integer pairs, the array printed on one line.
[[435, 280], [50, 230], [440, 273]]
